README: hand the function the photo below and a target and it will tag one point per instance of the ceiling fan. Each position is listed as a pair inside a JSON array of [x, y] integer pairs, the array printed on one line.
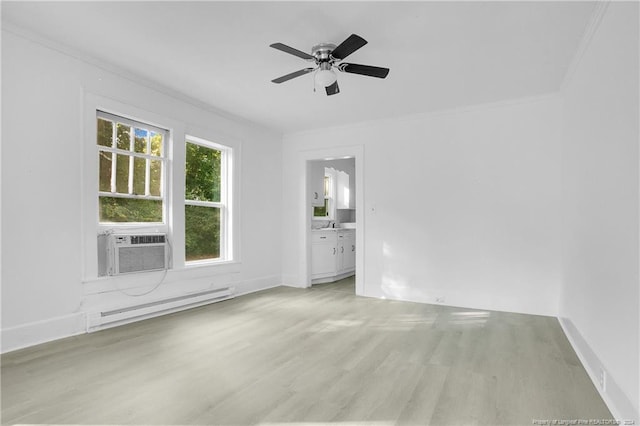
[[326, 57]]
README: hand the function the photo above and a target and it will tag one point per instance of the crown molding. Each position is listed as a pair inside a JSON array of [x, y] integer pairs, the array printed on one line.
[[427, 115], [86, 58], [590, 29]]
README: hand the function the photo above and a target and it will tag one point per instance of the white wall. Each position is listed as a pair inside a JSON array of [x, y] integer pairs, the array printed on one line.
[[600, 293], [461, 205], [43, 96]]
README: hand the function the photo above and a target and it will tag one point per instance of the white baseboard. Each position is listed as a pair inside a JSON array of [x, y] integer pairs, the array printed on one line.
[[34, 333], [618, 403], [291, 280], [466, 300], [333, 278], [257, 284]]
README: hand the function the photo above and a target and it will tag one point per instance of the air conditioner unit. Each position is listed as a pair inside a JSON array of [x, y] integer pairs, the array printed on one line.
[[135, 253]]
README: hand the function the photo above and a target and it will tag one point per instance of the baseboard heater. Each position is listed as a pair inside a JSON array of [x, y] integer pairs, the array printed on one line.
[[103, 319]]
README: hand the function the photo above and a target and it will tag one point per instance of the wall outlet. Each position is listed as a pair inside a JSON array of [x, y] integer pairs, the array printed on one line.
[[440, 299], [602, 379]]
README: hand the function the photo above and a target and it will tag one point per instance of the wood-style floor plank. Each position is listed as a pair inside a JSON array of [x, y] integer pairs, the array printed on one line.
[[294, 356]]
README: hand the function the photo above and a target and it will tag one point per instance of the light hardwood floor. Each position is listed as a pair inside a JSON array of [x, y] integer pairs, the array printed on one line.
[[321, 355], [346, 285]]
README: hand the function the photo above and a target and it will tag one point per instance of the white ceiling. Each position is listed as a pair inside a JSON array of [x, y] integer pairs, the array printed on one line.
[[441, 54]]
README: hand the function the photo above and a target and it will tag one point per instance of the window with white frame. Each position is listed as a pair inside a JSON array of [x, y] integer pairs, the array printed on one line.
[[136, 177], [207, 192], [327, 210], [132, 164]]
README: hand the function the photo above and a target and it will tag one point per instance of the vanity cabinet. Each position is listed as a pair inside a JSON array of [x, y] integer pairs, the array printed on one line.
[[347, 256], [324, 252], [333, 254]]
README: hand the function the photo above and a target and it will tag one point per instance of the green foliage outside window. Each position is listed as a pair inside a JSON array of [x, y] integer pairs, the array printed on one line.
[[113, 209], [202, 173], [202, 232], [203, 180], [116, 209], [203, 176], [324, 210]]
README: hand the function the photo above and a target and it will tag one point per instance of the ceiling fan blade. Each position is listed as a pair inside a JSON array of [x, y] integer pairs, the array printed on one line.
[[333, 89], [291, 50], [347, 47], [369, 70], [292, 75]]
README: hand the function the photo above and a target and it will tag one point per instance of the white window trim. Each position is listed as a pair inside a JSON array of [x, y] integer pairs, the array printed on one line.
[[225, 205], [89, 181], [174, 192], [330, 197], [107, 226]]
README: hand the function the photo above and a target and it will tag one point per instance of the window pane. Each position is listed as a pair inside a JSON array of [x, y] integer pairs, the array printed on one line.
[[155, 177], [105, 132], [123, 137], [122, 174], [202, 232], [322, 211], [202, 173], [156, 144], [140, 142], [105, 171], [139, 172], [114, 209]]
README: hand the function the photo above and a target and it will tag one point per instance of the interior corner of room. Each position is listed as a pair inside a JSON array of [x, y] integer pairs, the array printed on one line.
[[466, 229]]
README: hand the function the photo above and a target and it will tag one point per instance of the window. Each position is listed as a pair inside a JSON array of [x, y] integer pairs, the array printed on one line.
[[135, 182], [131, 170], [325, 211], [206, 201]]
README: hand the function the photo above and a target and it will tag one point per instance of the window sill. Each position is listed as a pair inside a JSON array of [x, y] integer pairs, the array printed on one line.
[[128, 281], [216, 268], [208, 268], [194, 264]]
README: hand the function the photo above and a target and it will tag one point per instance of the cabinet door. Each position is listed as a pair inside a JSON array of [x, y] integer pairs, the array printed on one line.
[[349, 255], [342, 197], [316, 183], [323, 258], [341, 251]]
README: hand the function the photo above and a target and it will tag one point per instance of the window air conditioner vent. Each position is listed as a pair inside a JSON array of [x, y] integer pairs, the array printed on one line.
[[147, 239], [125, 254]]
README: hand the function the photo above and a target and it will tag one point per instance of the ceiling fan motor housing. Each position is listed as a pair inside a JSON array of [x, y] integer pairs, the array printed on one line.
[[322, 52]]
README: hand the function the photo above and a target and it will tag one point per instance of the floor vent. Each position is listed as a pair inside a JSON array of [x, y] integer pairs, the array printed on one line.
[[112, 317]]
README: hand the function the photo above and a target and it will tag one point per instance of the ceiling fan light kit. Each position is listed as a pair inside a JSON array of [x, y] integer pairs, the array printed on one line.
[[326, 57], [325, 76]]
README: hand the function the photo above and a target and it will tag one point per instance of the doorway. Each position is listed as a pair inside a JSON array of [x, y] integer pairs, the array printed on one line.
[[333, 224], [333, 234]]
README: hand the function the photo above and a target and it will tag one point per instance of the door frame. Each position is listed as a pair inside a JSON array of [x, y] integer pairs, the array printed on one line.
[[305, 211]]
